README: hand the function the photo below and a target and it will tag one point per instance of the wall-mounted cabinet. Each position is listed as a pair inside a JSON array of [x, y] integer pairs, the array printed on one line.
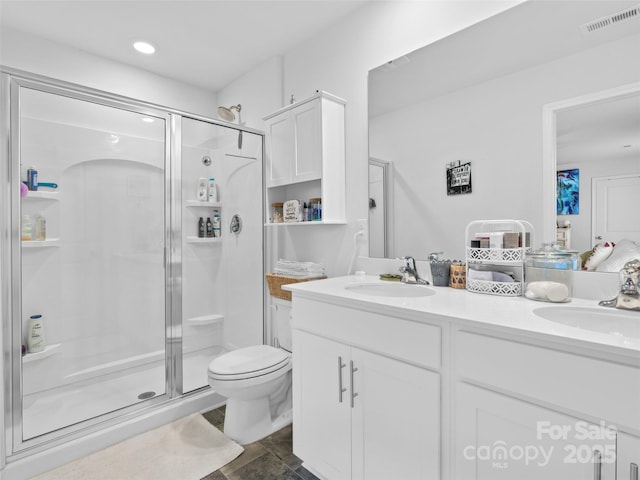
[[305, 146]]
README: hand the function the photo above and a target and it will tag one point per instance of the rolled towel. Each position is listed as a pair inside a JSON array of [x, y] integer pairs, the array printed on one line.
[[502, 277]]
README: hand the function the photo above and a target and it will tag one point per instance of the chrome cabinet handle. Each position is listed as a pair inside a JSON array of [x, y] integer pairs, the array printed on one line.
[[353, 393], [341, 390], [597, 465], [633, 471]]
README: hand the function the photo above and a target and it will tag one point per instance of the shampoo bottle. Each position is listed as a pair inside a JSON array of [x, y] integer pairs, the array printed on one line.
[[41, 227], [209, 228], [202, 189], [36, 340], [201, 228], [212, 190], [27, 228]]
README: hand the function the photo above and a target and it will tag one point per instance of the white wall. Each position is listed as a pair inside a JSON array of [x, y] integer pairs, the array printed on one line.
[[258, 91], [37, 55], [338, 61]]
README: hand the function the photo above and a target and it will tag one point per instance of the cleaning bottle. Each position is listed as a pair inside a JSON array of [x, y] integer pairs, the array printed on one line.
[[36, 340]]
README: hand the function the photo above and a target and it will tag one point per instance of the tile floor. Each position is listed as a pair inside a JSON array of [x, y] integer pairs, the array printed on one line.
[[271, 458]]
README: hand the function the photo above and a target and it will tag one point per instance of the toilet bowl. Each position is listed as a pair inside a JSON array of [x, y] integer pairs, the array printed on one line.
[[252, 378]]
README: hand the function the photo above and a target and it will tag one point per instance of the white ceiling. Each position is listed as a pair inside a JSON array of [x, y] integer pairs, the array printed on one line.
[[206, 43]]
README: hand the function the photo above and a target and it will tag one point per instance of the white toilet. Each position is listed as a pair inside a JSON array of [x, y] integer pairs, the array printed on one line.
[[257, 383]]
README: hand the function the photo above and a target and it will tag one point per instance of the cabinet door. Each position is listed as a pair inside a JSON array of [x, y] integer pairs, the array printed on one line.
[[280, 150], [395, 419], [628, 457], [321, 418], [501, 438], [307, 159]]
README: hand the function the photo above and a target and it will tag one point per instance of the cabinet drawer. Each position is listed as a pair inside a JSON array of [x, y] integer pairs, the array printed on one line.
[[603, 389], [395, 337]]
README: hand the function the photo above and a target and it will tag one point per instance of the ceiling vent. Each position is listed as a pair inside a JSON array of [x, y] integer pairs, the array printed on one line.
[[610, 20]]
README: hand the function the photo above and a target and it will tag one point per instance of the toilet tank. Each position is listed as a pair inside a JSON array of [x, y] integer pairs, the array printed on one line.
[[280, 331]]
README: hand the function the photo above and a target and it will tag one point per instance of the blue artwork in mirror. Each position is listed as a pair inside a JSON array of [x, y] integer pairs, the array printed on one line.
[[568, 192]]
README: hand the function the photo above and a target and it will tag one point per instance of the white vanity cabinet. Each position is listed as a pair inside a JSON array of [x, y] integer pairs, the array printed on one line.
[[515, 397], [628, 457], [442, 396], [305, 154], [364, 406], [499, 437]]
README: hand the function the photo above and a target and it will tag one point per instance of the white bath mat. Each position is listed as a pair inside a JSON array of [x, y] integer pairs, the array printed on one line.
[[187, 449]]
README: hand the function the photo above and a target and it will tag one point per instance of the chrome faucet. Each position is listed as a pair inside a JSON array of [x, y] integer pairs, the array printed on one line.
[[410, 272], [629, 296]]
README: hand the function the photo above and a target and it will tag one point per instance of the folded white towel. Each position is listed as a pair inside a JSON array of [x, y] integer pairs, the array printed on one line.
[[294, 268]]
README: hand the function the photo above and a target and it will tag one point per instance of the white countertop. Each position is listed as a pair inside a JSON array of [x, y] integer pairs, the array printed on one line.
[[513, 313]]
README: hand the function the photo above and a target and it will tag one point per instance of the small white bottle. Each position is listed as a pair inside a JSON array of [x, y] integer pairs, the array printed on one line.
[[36, 340], [212, 190], [202, 189]]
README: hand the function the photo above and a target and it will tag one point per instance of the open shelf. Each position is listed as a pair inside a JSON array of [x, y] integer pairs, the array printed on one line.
[[42, 195], [203, 240], [199, 204], [302, 224], [205, 320]]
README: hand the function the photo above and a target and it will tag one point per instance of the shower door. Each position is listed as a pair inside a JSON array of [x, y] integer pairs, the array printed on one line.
[[91, 256], [222, 271]]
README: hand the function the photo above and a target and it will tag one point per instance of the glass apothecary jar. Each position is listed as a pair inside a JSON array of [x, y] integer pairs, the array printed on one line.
[[277, 215], [548, 274]]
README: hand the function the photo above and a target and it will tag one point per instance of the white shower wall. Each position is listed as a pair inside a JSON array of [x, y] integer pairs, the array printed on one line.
[[231, 269]]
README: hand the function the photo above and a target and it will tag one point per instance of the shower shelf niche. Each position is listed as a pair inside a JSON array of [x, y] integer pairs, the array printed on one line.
[[205, 320], [41, 195], [203, 240], [47, 352], [49, 242], [198, 203]]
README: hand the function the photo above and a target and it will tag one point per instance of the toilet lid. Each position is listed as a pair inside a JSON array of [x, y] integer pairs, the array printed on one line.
[[248, 362]]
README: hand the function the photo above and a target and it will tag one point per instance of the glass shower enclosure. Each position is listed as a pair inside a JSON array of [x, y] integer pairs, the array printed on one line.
[[124, 281]]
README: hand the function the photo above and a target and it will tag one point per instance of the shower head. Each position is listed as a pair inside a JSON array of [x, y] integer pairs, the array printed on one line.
[[227, 113]]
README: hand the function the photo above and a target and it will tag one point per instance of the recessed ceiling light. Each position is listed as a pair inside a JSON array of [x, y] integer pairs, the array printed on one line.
[[144, 47]]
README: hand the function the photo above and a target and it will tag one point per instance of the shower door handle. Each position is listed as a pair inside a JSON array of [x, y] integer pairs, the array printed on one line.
[[341, 389]]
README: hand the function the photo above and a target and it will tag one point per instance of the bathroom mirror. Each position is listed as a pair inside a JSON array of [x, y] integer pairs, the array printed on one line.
[[597, 140], [478, 97]]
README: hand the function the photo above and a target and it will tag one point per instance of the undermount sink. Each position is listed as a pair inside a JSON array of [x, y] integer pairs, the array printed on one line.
[[390, 290], [597, 319]]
